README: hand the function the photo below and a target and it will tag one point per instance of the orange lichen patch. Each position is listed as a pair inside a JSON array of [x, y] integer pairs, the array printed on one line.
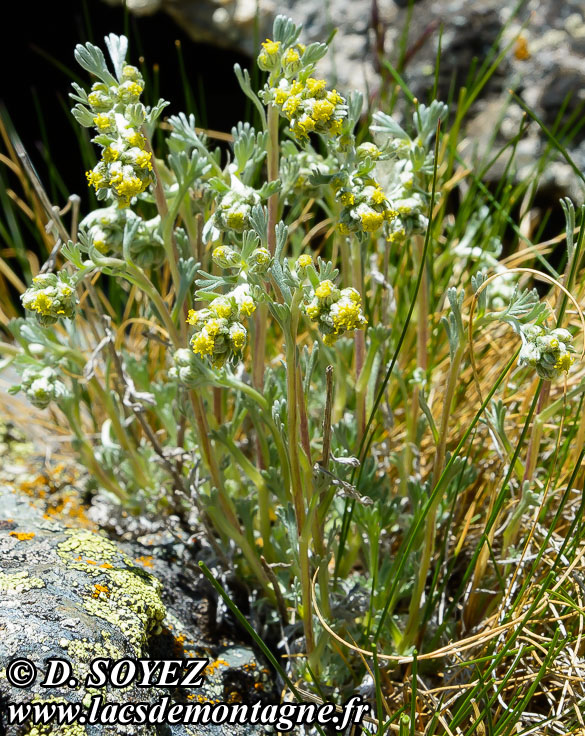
[[212, 666], [521, 51], [258, 686], [145, 561], [106, 566], [203, 699], [54, 488], [99, 589], [22, 536]]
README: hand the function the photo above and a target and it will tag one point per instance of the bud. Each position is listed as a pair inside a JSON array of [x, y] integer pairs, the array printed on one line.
[[225, 257]]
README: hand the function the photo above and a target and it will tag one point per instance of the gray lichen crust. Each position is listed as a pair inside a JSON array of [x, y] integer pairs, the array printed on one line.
[[76, 595]]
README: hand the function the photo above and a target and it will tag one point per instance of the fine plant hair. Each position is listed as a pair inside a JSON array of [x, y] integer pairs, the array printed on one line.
[[308, 348]]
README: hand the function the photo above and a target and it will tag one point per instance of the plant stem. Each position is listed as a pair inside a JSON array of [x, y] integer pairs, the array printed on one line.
[[360, 344], [421, 349], [411, 632], [297, 485]]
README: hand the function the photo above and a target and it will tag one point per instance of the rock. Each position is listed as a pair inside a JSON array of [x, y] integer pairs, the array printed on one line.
[[543, 49], [76, 595]]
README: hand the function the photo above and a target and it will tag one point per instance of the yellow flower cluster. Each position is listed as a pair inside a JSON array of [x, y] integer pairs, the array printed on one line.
[[219, 332], [335, 310], [310, 107], [275, 58], [550, 352], [365, 206], [125, 166], [51, 296]]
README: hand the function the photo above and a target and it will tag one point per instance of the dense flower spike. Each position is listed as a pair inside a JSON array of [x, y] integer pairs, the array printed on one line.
[[309, 107], [549, 351], [219, 332], [365, 206], [335, 310], [125, 167], [233, 210], [51, 296]]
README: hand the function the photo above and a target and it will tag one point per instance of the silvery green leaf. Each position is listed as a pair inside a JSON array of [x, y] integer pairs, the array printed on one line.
[[352, 462], [259, 222], [326, 270], [153, 113], [117, 48], [245, 83], [569, 210], [355, 102], [81, 95], [426, 118], [476, 282], [135, 114], [385, 124], [314, 52], [92, 59], [250, 242], [309, 363], [218, 185], [269, 188], [183, 129], [285, 31], [72, 252], [83, 116]]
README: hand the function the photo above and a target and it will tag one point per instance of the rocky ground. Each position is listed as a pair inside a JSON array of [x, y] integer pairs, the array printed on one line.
[[68, 591]]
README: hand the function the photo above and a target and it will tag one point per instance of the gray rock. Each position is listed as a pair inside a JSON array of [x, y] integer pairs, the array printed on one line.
[[75, 595]]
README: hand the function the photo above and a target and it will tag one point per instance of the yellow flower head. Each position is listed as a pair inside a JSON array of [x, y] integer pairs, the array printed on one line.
[[371, 220], [143, 159], [322, 110], [134, 89], [304, 261], [291, 57], [42, 303], [202, 343], [271, 47], [193, 317], [129, 187], [324, 289], [315, 86], [236, 220], [247, 306], [221, 307], [213, 327], [378, 195], [281, 96], [291, 105], [303, 126], [102, 122], [564, 362], [95, 179], [238, 337], [109, 155], [347, 199], [136, 139]]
